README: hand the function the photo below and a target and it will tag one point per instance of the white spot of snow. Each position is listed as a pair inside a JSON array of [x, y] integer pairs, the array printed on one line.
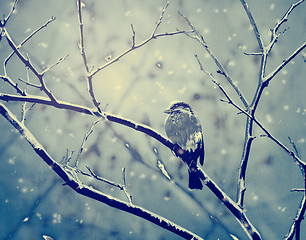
[[43, 44], [286, 107], [128, 13], [269, 118], [11, 161]]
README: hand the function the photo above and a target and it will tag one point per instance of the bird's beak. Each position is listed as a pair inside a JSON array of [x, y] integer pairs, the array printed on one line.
[[168, 111]]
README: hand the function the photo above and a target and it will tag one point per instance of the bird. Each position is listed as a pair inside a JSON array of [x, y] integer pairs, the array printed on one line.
[[184, 129]]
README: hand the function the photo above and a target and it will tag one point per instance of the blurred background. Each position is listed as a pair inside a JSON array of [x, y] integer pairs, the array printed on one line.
[[33, 201]]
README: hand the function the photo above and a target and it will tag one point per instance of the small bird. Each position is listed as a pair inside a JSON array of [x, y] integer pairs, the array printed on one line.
[[184, 128]]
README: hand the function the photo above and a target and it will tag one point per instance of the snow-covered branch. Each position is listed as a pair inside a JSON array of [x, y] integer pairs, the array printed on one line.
[[70, 178]]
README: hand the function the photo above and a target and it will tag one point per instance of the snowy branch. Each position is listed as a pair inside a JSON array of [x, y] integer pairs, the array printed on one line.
[[262, 84], [135, 46], [28, 64], [222, 70], [91, 111], [70, 174], [93, 72], [284, 19], [237, 211], [90, 192]]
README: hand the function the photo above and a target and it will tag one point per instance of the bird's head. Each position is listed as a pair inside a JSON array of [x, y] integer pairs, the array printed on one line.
[[177, 107]]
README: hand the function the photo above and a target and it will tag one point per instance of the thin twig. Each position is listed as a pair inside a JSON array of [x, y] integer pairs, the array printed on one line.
[[133, 36], [28, 64], [296, 225], [90, 111], [269, 77], [92, 174], [53, 65], [294, 147], [135, 46], [237, 211], [29, 84], [275, 35], [222, 70], [160, 19], [268, 134], [128, 196], [13, 84], [297, 190], [252, 54], [3, 23], [83, 54], [254, 26], [82, 42], [90, 131], [29, 37]]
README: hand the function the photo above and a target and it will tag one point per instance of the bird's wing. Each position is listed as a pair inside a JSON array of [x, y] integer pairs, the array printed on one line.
[[174, 133], [198, 137]]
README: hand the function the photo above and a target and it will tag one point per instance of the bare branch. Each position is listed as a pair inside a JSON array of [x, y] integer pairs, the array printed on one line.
[[90, 131], [82, 51], [237, 211], [28, 38], [160, 19], [222, 70], [13, 84], [136, 46], [90, 111], [252, 117], [128, 196], [28, 64], [2, 24], [82, 42], [68, 175], [269, 77], [53, 65], [262, 84], [67, 158], [297, 190], [92, 174], [69, 178], [295, 227], [242, 172], [25, 110], [133, 36], [294, 147], [255, 29], [284, 19], [252, 54], [163, 170], [29, 84]]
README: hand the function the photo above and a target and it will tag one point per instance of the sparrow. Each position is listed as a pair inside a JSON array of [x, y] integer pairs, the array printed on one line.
[[184, 129]]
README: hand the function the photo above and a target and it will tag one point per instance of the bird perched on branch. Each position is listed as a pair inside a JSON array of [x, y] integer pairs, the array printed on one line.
[[184, 129]]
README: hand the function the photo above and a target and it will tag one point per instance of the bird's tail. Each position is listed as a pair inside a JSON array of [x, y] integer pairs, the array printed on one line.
[[194, 180]]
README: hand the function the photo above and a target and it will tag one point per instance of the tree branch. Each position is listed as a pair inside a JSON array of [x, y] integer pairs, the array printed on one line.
[[82, 51], [90, 192], [28, 64], [270, 76], [5, 20], [222, 70], [255, 29], [284, 19], [91, 111]]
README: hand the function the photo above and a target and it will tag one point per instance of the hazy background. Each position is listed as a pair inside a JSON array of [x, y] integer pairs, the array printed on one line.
[[140, 86]]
